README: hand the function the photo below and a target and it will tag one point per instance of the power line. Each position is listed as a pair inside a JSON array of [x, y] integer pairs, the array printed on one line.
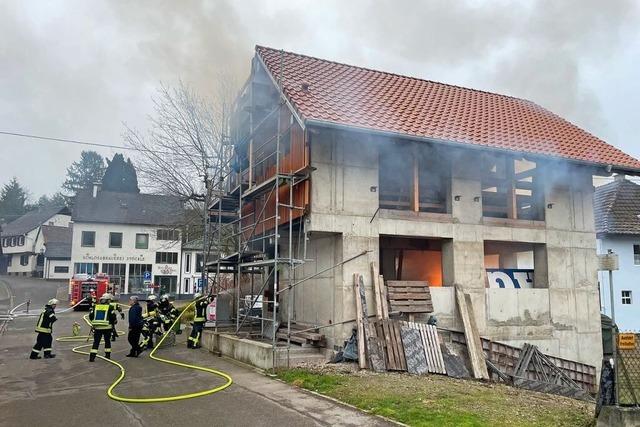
[[69, 141]]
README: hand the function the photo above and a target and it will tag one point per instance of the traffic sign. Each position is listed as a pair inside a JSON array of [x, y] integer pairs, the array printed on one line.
[[147, 276]]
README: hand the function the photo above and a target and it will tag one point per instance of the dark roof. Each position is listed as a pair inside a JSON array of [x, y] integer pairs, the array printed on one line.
[[127, 208], [53, 234], [31, 220], [329, 93], [193, 245], [617, 207], [58, 250]]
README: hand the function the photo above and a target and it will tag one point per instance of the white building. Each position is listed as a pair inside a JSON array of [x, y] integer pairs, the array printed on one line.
[[23, 242], [131, 237], [57, 252], [617, 214]]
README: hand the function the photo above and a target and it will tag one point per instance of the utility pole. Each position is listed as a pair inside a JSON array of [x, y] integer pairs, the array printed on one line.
[[205, 232]]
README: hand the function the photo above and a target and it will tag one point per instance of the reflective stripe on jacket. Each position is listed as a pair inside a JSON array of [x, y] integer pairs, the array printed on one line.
[[102, 316], [46, 319]]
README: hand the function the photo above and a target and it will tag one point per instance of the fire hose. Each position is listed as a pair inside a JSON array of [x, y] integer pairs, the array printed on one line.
[[111, 390]]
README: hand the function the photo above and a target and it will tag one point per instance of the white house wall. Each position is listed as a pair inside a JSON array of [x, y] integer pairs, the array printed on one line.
[[101, 253]]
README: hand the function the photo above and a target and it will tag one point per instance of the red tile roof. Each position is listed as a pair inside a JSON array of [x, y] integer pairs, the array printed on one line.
[[363, 98]]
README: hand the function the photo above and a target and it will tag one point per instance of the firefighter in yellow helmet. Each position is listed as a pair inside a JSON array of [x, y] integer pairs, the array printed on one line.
[[102, 317], [44, 328]]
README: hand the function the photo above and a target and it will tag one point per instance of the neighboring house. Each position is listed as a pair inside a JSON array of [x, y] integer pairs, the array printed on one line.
[[23, 242], [132, 237], [432, 182], [617, 214], [57, 252], [192, 263]]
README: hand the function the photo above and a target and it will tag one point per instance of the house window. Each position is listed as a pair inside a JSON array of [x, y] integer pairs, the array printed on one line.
[[13, 241], [626, 297], [510, 188], [142, 241], [163, 234], [636, 254], [88, 239], [9, 258], [24, 260], [186, 286], [199, 262], [166, 257], [187, 263], [60, 269], [136, 278], [115, 240], [21, 241], [85, 268]]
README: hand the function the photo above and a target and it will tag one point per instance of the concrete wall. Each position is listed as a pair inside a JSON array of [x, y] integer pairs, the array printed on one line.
[[626, 278], [561, 314]]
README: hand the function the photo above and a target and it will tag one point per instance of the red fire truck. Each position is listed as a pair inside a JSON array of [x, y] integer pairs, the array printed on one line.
[[81, 285]]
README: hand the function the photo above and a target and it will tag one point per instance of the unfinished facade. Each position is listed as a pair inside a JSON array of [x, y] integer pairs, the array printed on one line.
[[431, 182]]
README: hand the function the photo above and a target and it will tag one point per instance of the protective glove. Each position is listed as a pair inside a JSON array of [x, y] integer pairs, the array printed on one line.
[[122, 316]]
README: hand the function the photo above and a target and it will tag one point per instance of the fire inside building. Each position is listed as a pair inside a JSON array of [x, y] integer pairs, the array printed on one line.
[[337, 168]]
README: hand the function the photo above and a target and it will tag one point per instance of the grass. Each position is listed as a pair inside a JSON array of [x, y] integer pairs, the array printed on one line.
[[441, 401]]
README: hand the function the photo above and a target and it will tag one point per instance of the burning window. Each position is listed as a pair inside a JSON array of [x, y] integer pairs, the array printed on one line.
[[411, 259], [515, 265], [510, 188], [413, 177]]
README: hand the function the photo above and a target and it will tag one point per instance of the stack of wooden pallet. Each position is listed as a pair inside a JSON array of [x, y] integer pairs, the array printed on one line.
[[301, 334], [391, 344]]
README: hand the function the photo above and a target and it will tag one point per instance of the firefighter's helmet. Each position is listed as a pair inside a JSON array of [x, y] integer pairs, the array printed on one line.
[[52, 301], [152, 297], [164, 297]]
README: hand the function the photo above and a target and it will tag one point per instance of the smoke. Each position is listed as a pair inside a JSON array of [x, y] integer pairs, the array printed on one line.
[[80, 69]]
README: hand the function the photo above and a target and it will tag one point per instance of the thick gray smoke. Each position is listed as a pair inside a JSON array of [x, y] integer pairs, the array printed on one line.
[[80, 69]]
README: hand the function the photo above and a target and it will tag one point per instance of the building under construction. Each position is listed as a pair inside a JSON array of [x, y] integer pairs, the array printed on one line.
[[336, 167]]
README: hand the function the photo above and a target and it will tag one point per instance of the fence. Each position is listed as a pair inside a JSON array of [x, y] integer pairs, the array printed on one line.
[[627, 368]]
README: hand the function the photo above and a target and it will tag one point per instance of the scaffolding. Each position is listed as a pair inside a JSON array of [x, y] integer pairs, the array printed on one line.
[[259, 200]]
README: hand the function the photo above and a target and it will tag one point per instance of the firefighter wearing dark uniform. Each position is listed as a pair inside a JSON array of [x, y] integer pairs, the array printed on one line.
[[44, 328], [199, 319], [150, 323], [168, 312], [102, 317], [116, 307]]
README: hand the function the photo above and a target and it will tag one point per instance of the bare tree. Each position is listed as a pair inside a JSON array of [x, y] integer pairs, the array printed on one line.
[[185, 149]]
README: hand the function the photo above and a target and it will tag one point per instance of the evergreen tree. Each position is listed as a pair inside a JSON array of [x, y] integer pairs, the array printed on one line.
[[84, 173], [55, 200], [13, 201], [120, 176]]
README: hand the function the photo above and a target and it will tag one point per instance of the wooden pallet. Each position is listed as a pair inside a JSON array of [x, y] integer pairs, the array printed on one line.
[[427, 348], [390, 340], [301, 335], [410, 297]]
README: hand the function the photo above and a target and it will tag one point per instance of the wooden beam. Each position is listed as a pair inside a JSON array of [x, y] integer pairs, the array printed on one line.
[[376, 291], [362, 357], [512, 204], [471, 334], [415, 189]]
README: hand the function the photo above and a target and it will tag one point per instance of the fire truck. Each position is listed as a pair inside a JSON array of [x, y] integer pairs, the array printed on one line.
[[80, 286]]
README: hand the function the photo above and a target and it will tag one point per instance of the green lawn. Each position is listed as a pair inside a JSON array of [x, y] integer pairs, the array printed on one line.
[[436, 400]]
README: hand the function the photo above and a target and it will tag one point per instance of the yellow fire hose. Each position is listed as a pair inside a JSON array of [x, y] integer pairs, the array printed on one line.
[[114, 396]]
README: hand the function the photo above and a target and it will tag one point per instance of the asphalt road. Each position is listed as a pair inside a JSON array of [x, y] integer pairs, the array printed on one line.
[[70, 391]]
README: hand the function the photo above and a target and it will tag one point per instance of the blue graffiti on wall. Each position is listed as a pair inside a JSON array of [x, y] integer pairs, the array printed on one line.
[[511, 278]]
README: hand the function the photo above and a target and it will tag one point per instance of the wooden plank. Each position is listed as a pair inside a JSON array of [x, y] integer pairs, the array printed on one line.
[[415, 190], [438, 349], [409, 295], [362, 357], [390, 350], [411, 309], [407, 283], [474, 345], [376, 357], [385, 299], [395, 326], [425, 344], [376, 291]]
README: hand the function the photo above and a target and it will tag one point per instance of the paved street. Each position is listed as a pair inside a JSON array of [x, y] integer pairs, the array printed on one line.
[[68, 391]]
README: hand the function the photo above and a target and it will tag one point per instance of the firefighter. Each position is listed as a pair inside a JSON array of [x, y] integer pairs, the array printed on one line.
[[91, 298], [116, 307], [199, 319], [135, 326], [44, 328], [167, 311], [151, 323], [102, 316]]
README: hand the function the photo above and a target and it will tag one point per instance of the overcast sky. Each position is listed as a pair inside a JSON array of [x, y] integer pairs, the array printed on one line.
[[79, 69]]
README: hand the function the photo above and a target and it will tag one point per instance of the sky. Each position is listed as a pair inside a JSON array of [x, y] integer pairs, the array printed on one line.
[[81, 70]]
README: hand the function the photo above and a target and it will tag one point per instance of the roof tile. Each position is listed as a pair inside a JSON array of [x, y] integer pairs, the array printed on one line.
[[364, 98]]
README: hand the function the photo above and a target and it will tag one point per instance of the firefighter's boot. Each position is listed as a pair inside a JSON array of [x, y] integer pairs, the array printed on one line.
[[92, 357], [34, 356]]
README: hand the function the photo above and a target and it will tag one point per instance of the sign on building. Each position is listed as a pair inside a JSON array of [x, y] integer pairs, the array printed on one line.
[[626, 341], [510, 278]]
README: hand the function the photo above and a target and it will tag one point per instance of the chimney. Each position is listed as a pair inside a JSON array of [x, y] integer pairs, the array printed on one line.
[[96, 189]]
